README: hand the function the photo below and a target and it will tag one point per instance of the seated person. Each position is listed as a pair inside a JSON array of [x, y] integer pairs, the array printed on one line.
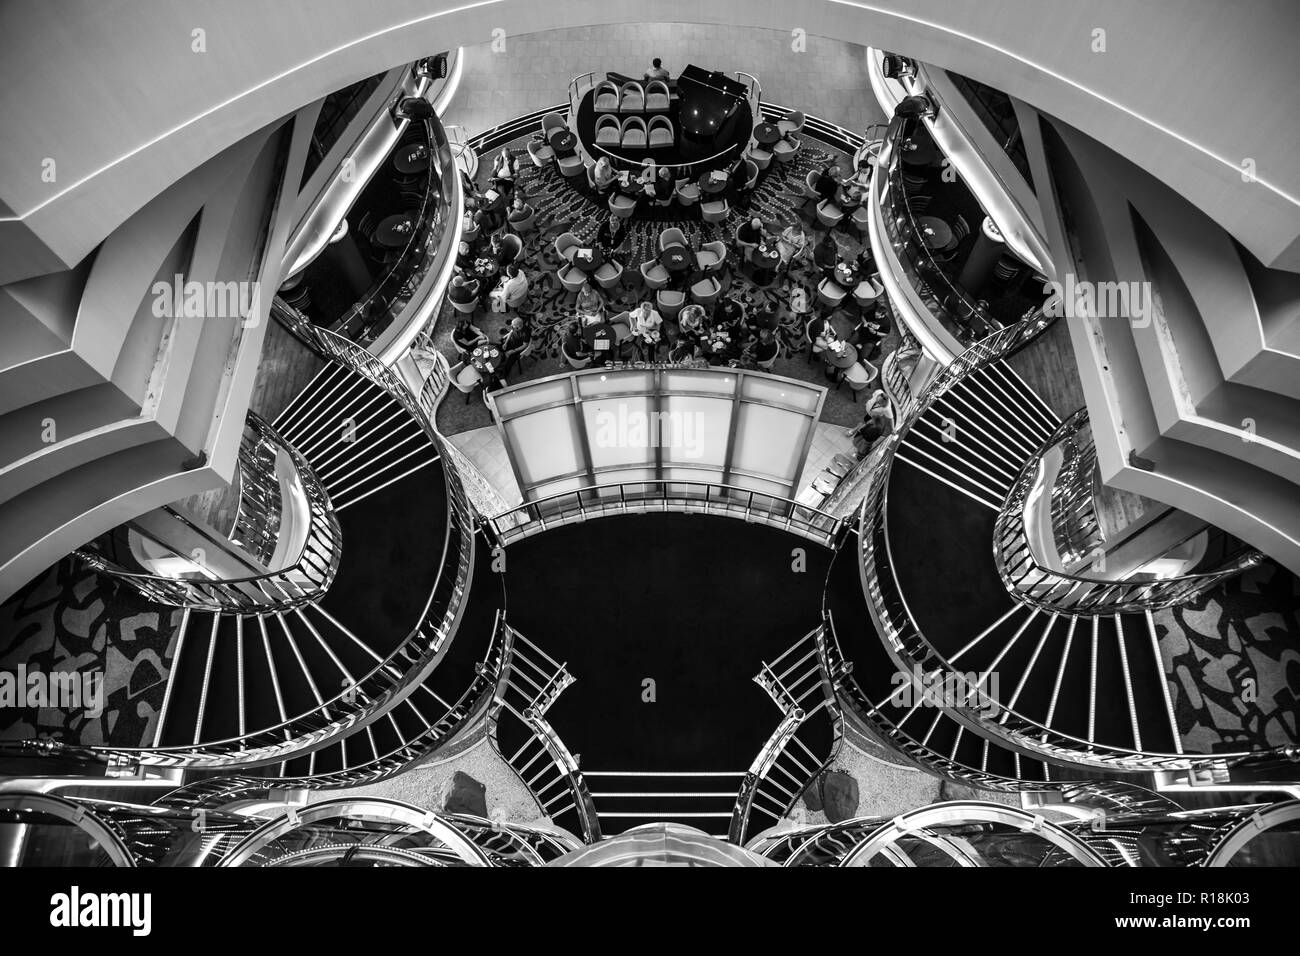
[[867, 263], [691, 319], [657, 71], [647, 327], [506, 248], [591, 307], [828, 182], [728, 313], [506, 167], [513, 343], [852, 198], [466, 336], [863, 175], [665, 187], [513, 287], [821, 332], [685, 349], [464, 290], [520, 211], [762, 318], [768, 348], [575, 346], [866, 435], [792, 244], [880, 411], [604, 175], [751, 231], [465, 256]]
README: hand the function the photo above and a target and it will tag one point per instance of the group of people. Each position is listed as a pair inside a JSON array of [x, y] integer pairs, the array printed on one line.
[[726, 334]]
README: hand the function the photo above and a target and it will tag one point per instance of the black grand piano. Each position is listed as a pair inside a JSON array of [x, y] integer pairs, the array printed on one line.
[[708, 102]]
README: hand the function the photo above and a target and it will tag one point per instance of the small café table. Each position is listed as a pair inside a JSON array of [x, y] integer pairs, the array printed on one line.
[[588, 259], [563, 142], [487, 359], [919, 153], [934, 232], [845, 357], [767, 134], [677, 258], [412, 160], [393, 231], [765, 262], [708, 184]]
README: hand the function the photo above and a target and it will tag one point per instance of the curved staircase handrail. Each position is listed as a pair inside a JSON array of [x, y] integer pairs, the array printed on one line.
[[256, 532], [1031, 582]]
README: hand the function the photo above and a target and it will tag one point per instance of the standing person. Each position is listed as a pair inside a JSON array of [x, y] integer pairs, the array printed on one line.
[[612, 235], [826, 256], [657, 71], [604, 176], [792, 244], [513, 343], [647, 327]]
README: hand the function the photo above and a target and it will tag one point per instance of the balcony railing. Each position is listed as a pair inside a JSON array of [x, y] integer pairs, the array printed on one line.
[[255, 539], [645, 497], [1074, 525]]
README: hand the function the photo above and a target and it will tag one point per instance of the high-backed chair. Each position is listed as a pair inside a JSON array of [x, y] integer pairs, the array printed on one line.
[[706, 291], [751, 173], [760, 157], [540, 152], [522, 227], [829, 214], [712, 256], [654, 274], [792, 123], [566, 244], [816, 345], [656, 96], [609, 275], [571, 166], [687, 192], [551, 122], [632, 98], [861, 219], [622, 206], [574, 362], [607, 97], [830, 294], [772, 361], [465, 378], [634, 132], [784, 151], [571, 277], [608, 130], [670, 302], [672, 236], [465, 308], [661, 132], [715, 210], [745, 247]]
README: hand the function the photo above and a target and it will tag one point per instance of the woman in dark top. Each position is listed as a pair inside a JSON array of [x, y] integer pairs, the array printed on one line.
[[826, 256], [611, 235], [467, 336], [728, 313]]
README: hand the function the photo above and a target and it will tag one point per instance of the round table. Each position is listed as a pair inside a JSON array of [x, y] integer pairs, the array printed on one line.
[[708, 185], [589, 264], [487, 359], [842, 359], [677, 258], [847, 276], [485, 267], [767, 134], [395, 230], [919, 153], [563, 142], [412, 160], [934, 232], [765, 263]]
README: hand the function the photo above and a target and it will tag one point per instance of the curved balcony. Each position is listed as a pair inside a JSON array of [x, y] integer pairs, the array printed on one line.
[[380, 276], [1032, 568], [285, 528]]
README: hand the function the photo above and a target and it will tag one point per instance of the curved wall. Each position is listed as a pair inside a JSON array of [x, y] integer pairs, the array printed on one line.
[[122, 135]]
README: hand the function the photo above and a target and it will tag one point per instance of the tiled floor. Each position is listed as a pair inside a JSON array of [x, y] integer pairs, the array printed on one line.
[[828, 441], [533, 72], [487, 452]]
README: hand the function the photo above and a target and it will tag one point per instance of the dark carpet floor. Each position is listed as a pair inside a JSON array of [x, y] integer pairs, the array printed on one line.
[[693, 604]]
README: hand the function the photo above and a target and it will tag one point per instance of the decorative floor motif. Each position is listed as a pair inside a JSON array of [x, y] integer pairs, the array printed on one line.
[[1234, 657]]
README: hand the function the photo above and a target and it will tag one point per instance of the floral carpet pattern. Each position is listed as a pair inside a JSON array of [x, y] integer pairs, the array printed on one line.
[[1233, 656]]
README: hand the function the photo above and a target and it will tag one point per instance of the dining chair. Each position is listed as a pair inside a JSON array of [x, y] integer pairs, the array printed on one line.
[[670, 303], [687, 192], [672, 236], [609, 275], [712, 256], [654, 274], [792, 123], [715, 210]]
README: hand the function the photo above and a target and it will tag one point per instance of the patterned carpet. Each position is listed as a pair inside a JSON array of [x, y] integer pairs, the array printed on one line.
[[572, 207], [1234, 657]]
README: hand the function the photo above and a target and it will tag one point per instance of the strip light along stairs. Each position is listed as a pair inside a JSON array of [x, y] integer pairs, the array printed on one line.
[[1095, 685], [281, 675]]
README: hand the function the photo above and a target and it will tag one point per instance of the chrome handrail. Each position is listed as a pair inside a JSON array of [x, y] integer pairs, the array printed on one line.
[[256, 532], [1034, 584], [664, 495]]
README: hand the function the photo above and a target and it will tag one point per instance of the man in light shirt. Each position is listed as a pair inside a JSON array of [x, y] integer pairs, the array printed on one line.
[[647, 327]]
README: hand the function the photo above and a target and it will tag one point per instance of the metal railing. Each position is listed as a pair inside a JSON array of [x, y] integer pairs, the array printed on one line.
[[257, 530], [1075, 528], [391, 680], [952, 307], [665, 495], [903, 639]]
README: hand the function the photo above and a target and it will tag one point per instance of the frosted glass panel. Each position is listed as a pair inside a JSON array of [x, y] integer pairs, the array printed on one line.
[[623, 382], [544, 444], [620, 431], [758, 484], [513, 401], [694, 429], [781, 392], [769, 441], [558, 487], [699, 380]]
